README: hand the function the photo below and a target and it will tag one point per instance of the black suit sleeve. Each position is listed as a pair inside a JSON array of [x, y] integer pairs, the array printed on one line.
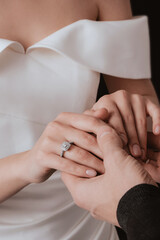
[[138, 213]]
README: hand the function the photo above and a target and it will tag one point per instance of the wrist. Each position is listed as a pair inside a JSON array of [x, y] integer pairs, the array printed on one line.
[[21, 173], [12, 172]]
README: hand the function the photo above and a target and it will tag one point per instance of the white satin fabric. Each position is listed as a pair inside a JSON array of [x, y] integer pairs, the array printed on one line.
[[60, 73]]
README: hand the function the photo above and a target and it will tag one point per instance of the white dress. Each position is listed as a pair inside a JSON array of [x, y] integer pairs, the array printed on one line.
[[60, 73]]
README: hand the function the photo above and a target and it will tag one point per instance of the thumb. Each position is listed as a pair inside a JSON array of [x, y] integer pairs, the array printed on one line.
[[79, 189], [101, 113], [108, 140], [70, 181]]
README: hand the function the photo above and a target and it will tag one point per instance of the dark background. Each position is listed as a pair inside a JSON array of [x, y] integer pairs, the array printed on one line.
[[149, 8]]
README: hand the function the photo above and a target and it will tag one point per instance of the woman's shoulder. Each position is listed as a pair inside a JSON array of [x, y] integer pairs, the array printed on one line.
[[110, 10]]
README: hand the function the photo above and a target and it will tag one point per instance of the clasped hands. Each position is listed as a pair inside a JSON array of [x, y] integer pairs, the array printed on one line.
[[95, 140], [127, 126]]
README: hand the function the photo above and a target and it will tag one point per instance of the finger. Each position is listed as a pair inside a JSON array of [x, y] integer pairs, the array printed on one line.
[[114, 118], [101, 113], [116, 122], [57, 131], [153, 141], [83, 140], [77, 155], [110, 143], [82, 153], [127, 115], [68, 166], [154, 112], [140, 117], [81, 121]]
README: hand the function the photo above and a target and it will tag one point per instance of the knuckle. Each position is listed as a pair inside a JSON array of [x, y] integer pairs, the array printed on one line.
[[142, 122], [102, 100], [89, 140], [52, 126], [122, 93], [88, 112], [138, 99], [62, 115], [136, 96], [93, 121], [45, 143]]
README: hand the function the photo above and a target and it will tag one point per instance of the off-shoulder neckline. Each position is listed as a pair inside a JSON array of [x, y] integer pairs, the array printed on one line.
[[46, 37], [20, 45]]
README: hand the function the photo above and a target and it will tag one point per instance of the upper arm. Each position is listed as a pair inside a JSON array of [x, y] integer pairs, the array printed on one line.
[[115, 10], [112, 10]]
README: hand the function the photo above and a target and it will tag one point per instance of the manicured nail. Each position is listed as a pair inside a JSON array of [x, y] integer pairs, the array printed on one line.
[[157, 129], [136, 150], [91, 173]]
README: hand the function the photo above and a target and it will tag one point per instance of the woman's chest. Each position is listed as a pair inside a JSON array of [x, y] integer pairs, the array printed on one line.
[[29, 21]]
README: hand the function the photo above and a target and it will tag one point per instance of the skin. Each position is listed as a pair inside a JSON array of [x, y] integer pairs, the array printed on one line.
[[28, 22], [128, 110], [39, 163], [46, 17], [103, 202]]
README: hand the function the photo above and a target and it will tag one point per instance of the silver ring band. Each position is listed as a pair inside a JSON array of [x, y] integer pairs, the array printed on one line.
[[65, 147]]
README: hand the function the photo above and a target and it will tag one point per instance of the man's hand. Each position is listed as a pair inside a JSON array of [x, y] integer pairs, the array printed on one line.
[[101, 195]]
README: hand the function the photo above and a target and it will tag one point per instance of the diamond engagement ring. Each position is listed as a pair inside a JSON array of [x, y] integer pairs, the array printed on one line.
[[65, 147]]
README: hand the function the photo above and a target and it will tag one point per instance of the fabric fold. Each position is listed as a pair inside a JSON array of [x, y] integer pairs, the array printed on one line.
[[5, 43], [117, 48]]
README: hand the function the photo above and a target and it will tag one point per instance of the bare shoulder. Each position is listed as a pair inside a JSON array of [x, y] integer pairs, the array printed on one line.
[[114, 10]]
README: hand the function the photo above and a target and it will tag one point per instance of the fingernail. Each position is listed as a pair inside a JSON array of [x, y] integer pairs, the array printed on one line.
[[91, 173], [136, 150], [157, 129]]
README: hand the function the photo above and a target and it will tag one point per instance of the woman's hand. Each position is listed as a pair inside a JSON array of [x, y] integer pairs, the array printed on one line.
[[82, 159], [128, 116]]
